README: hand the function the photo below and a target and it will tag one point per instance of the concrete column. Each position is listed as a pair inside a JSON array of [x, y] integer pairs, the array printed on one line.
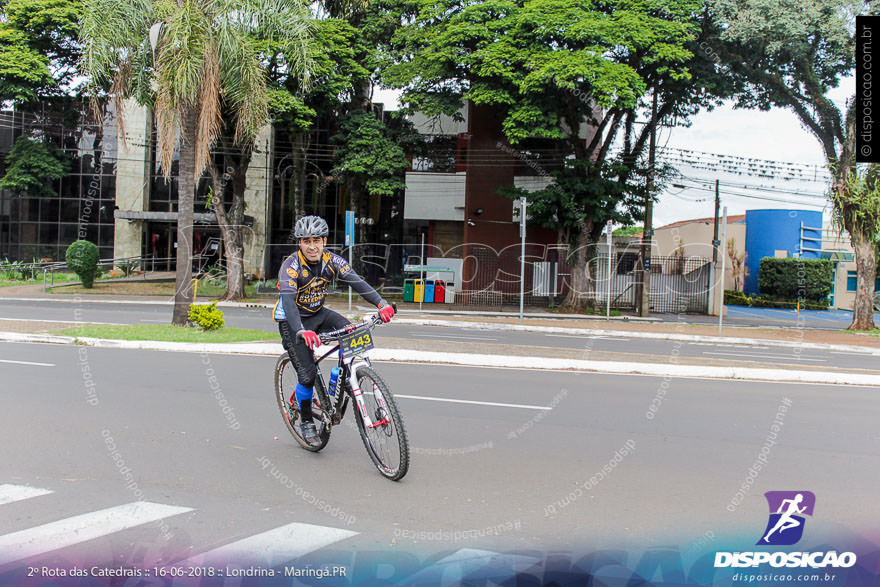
[[132, 177], [257, 193]]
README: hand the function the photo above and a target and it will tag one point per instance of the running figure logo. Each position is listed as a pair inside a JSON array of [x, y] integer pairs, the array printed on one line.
[[786, 524]]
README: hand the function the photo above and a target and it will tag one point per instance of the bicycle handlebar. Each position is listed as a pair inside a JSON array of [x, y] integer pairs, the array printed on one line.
[[337, 334]]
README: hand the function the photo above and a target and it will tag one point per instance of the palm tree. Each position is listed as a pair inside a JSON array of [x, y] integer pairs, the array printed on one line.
[[188, 60]]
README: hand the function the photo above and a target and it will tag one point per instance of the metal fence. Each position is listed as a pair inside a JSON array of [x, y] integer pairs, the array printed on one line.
[[678, 284]]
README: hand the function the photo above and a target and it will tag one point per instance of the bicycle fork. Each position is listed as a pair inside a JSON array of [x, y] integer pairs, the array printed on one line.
[[359, 397]]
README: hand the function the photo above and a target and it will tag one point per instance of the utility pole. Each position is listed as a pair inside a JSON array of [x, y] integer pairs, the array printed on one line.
[[648, 234], [522, 258], [715, 242], [723, 271], [608, 238]]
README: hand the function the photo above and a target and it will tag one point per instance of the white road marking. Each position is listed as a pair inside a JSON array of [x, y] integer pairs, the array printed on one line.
[[271, 548], [65, 321], [473, 402], [155, 321], [793, 358], [593, 336], [454, 336], [27, 363], [69, 531], [10, 493]]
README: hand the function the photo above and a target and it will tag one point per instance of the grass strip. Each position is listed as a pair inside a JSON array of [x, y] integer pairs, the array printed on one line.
[[168, 333]]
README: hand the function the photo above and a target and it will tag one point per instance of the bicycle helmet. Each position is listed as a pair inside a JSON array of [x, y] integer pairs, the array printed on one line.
[[311, 226]]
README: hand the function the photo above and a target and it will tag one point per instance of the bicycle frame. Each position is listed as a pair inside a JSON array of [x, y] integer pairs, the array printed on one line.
[[349, 375]]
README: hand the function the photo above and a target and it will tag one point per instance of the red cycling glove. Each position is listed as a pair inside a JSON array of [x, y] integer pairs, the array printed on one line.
[[386, 313], [312, 340]]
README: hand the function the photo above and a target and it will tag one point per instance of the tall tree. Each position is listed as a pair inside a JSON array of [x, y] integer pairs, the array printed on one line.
[[348, 61], [187, 59], [549, 67], [38, 49], [791, 55]]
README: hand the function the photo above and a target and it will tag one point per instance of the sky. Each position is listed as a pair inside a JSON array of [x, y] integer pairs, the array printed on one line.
[[776, 135]]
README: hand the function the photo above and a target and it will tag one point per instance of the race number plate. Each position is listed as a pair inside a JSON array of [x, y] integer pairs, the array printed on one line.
[[356, 343]]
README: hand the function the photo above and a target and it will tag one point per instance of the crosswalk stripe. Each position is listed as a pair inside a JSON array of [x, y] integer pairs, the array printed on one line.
[[69, 531], [10, 493], [272, 547]]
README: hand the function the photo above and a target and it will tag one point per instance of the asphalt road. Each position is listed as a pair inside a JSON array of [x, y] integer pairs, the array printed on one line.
[[629, 348], [200, 438], [773, 317]]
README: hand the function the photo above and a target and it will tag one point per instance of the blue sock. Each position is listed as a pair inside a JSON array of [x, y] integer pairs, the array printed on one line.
[[303, 392]]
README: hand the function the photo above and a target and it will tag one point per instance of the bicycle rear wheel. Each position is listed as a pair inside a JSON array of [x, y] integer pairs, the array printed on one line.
[[285, 386], [386, 440]]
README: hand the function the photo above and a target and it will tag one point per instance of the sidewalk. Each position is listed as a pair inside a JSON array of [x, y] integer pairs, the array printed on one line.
[[629, 326]]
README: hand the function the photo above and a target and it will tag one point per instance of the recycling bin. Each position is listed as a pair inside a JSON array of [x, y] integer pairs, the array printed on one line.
[[429, 290], [417, 290], [450, 292], [408, 290], [439, 291]]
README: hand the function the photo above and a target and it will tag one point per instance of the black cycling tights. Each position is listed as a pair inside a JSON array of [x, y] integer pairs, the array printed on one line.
[[324, 320]]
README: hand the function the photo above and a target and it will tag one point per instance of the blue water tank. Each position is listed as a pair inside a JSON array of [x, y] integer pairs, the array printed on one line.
[[799, 232]]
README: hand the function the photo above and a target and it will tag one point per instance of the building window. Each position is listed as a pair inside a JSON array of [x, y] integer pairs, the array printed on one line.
[[852, 281]]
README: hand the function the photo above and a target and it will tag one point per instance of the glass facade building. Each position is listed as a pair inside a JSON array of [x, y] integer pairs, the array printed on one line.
[[42, 227]]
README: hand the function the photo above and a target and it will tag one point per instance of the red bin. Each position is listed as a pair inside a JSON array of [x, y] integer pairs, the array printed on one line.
[[439, 291]]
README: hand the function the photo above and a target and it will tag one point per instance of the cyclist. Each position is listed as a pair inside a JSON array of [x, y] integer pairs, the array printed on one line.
[[303, 281]]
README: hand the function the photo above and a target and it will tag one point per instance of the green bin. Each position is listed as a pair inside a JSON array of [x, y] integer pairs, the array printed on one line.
[[409, 287]]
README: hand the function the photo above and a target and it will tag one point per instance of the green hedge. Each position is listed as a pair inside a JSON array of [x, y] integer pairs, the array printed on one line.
[[738, 298], [795, 279]]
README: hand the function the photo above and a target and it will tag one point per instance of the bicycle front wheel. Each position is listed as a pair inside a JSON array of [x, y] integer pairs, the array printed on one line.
[[385, 439], [285, 386]]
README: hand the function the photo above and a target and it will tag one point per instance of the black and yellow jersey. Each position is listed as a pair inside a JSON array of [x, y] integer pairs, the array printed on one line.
[[309, 283]]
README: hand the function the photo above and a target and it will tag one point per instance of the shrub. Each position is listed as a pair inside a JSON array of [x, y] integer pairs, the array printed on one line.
[[127, 267], [763, 302], [30, 270], [82, 258], [792, 279], [736, 298], [11, 270], [206, 315]]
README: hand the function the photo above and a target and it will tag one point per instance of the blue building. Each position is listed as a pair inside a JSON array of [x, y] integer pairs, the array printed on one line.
[[780, 233]]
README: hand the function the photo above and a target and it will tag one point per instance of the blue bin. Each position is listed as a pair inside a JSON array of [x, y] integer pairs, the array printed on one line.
[[429, 290]]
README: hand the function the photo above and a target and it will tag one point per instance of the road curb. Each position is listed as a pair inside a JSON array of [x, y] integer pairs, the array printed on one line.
[[473, 360], [401, 319], [636, 334]]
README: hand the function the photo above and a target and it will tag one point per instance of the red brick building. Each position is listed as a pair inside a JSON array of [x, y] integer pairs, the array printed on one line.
[[452, 197]]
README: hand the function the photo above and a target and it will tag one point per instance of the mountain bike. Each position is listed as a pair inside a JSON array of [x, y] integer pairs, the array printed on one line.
[[378, 418]]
